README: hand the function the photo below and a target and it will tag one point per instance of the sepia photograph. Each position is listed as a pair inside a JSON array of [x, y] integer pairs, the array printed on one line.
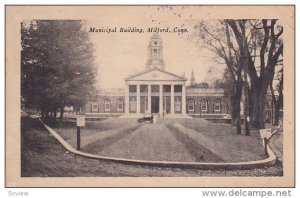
[[160, 95]]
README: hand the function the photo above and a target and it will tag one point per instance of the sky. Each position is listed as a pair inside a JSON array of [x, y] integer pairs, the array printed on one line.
[[120, 54]]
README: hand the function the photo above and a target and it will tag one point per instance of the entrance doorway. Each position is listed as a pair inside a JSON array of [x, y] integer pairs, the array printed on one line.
[[154, 104]]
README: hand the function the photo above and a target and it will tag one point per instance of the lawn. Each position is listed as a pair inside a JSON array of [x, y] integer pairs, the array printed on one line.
[[43, 156], [222, 139], [185, 140], [93, 131], [153, 142], [228, 146]]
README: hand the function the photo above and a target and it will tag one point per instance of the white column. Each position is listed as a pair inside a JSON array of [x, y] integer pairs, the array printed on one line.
[[149, 98], [183, 101], [138, 99], [161, 100], [172, 99], [127, 98]]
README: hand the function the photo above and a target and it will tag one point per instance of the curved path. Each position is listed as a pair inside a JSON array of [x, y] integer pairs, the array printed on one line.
[[202, 165]]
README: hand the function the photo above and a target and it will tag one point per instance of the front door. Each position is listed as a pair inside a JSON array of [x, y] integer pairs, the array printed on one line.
[[154, 104]]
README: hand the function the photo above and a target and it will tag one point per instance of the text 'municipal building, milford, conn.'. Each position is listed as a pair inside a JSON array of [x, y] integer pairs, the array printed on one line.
[[157, 91]]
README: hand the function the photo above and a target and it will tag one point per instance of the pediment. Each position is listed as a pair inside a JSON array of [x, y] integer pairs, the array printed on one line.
[[155, 75]]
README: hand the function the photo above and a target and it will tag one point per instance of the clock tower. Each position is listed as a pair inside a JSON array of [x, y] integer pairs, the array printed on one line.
[[155, 57]]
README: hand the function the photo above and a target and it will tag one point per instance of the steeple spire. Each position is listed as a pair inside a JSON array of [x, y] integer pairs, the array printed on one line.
[[192, 78], [155, 57]]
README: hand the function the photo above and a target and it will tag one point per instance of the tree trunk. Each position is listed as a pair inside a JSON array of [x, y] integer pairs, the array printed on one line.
[[250, 102], [55, 114], [47, 114], [238, 117], [279, 102], [238, 108], [261, 104], [255, 110], [43, 112], [277, 114], [61, 114], [246, 110], [233, 110], [255, 90]]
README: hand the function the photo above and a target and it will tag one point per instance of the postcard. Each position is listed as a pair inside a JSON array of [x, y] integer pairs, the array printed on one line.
[[150, 96]]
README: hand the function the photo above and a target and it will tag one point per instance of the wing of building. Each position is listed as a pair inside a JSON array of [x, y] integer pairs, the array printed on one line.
[[158, 91]]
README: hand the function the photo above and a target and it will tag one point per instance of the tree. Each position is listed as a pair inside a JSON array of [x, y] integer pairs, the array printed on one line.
[[226, 84], [237, 43], [202, 85], [243, 56], [268, 41], [217, 37], [56, 65]]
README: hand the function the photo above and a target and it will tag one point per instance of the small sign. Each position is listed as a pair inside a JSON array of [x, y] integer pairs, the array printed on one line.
[[80, 120], [265, 133]]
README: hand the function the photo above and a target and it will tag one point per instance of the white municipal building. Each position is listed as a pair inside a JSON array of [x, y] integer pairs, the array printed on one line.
[[157, 91]]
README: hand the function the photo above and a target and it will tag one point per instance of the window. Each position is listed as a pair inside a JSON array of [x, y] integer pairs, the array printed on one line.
[[120, 105], [132, 88], [146, 104], [107, 105], [166, 88], [204, 105], [143, 88], [178, 88], [94, 106], [154, 88], [191, 105], [217, 105]]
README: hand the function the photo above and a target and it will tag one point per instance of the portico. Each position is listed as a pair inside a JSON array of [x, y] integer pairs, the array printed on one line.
[[155, 91]]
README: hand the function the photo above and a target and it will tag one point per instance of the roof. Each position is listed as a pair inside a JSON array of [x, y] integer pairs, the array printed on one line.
[[155, 74], [204, 91], [111, 92]]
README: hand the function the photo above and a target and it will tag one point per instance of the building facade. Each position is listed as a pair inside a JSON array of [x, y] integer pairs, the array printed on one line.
[[158, 91]]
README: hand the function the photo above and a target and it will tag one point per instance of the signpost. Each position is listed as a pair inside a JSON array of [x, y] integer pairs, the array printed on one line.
[[265, 134], [80, 122]]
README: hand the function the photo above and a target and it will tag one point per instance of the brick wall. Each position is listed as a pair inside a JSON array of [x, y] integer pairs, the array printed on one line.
[[99, 103]]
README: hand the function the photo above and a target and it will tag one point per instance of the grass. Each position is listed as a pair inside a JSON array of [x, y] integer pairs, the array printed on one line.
[[93, 130], [192, 140], [223, 139], [97, 146], [200, 153], [230, 147], [149, 142], [43, 156]]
